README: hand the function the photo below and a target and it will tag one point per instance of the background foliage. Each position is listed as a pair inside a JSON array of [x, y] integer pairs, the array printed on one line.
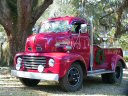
[[105, 13]]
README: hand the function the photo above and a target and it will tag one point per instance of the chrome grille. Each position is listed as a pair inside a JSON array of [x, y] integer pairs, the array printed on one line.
[[32, 62]]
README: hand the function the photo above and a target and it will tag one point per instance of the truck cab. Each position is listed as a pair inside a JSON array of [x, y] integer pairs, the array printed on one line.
[[63, 50]]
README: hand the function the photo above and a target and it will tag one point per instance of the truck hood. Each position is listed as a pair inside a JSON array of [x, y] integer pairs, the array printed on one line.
[[47, 42]]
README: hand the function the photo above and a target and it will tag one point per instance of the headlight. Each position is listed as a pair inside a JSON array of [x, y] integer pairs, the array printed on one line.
[[19, 60], [18, 66], [51, 62]]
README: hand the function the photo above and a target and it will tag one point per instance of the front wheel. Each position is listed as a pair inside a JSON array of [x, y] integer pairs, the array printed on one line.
[[115, 77], [29, 82], [73, 80]]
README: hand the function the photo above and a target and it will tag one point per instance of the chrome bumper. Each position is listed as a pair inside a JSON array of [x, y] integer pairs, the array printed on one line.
[[32, 75]]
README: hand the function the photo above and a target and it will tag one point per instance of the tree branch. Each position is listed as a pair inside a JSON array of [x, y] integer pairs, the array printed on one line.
[[120, 10], [24, 9], [101, 18], [5, 17], [39, 10]]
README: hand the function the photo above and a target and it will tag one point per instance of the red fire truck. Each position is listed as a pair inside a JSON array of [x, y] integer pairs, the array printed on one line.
[[63, 51]]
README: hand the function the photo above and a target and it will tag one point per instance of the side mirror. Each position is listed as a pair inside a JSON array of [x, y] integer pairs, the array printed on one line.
[[83, 28], [35, 29]]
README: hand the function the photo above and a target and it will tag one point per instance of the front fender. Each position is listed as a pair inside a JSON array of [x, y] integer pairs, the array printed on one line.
[[67, 61], [63, 61], [114, 61]]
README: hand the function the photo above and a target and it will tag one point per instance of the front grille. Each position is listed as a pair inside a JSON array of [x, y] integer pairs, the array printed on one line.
[[32, 62]]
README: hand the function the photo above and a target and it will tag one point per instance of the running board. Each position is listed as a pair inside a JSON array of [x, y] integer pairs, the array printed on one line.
[[98, 72]]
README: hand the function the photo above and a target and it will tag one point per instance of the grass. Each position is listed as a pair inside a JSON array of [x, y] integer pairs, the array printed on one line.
[[91, 86]]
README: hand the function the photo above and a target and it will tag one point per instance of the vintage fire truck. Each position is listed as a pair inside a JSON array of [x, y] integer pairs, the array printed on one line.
[[63, 51]]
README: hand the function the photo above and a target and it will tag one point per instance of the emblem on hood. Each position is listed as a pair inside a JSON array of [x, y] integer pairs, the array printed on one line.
[[38, 48]]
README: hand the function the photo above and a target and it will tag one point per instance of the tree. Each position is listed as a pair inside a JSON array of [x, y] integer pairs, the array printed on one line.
[[114, 15], [18, 17], [120, 29], [124, 42]]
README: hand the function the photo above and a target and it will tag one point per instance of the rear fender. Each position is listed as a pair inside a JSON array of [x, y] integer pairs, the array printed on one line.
[[114, 61]]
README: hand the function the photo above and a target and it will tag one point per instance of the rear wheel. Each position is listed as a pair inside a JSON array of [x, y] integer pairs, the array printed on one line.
[[115, 77], [29, 82], [73, 80]]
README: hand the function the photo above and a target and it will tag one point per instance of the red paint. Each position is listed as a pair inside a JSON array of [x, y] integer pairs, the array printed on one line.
[[52, 45]]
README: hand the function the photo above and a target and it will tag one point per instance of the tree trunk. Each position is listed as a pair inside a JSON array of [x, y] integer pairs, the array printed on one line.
[[18, 17], [0, 51], [17, 42], [118, 23], [120, 10]]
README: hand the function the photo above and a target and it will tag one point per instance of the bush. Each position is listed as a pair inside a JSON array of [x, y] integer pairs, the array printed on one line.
[[126, 58]]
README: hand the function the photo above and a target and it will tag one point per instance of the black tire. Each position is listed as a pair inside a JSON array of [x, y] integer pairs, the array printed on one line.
[[114, 78], [73, 79], [29, 82]]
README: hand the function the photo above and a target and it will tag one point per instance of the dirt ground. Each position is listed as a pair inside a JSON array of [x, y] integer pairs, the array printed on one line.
[[10, 86]]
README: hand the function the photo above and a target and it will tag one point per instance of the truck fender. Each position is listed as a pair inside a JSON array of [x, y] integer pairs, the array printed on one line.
[[115, 59], [66, 64], [17, 55]]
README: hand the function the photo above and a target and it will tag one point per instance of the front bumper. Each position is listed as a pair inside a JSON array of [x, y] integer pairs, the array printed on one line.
[[32, 75]]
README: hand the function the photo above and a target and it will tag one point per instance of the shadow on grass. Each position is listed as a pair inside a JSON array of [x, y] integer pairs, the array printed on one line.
[[91, 86]]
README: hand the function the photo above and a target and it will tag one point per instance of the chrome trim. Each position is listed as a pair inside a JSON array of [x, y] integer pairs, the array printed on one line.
[[33, 75], [34, 57], [36, 63], [98, 72], [32, 62], [91, 43]]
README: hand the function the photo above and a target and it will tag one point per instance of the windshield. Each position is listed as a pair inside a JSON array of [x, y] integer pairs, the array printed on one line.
[[54, 26]]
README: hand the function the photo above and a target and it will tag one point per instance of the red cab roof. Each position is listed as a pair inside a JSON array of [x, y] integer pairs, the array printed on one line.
[[69, 18]]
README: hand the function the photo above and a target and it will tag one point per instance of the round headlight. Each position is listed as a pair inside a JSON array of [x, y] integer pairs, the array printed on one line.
[[18, 66], [19, 60], [51, 62], [40, 68]]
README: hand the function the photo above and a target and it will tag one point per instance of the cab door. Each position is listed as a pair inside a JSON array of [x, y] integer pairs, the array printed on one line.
[[80, 41]]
